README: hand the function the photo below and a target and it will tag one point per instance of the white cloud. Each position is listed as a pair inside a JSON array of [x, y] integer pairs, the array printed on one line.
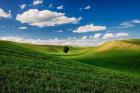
[[55, 41], [96, 36], [89, 28], [122, 34], [87, 7], [4, 14], [80, 18], [60, 31], [90, 36], [84, 37], [137, 21], [74, 38], [115, 35], [60, 7], [108, 36], [44, 18], [11, 38], [22, 28], [72, 41], [50, 5], [131, 23], [69, 38], [36, 2], [127, 24], [22, 6], [100, 43]]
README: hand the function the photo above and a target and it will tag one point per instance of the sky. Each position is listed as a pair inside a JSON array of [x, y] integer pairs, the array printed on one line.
[[69, 22]]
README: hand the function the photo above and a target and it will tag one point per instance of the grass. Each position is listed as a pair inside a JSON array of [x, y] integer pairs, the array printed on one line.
[[118, 55], [26, 68]]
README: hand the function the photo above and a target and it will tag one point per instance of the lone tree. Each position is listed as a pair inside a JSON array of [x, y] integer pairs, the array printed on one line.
[[66, 49]]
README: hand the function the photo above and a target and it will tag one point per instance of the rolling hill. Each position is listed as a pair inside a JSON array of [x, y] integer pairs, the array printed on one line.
[[40, 69], [120, 54]]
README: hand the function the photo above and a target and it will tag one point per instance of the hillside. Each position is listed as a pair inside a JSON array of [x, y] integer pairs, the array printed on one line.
[[24, 68], [120, 54]]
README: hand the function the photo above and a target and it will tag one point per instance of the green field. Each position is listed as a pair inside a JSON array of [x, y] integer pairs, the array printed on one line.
[[113, 67]]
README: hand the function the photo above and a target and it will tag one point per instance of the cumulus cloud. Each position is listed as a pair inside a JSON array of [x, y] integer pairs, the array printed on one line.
[[89, 28], [50, 5], [4, 14], [131, 23], [96, 36], [59, 31], [44, 18], [56, 41], [100, 43], [74, 38], [115, 35], [71, 41], [84, 37], [136, 21], [87, 7], [37, 2], [69, 38], [108, 36], [122, 34], [127, 24], [22, 6], [90, 36], [22, 28], [11, 38], [60, 7]]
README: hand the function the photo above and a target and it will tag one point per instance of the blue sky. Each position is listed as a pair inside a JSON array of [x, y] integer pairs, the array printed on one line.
[[65, 21]]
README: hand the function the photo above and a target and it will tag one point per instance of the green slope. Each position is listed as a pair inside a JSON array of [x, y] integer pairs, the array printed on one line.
[[120, 55], [25, 70], [123, 55]]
